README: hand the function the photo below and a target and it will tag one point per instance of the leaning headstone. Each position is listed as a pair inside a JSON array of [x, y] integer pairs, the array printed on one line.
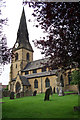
[[21, 94], [61, 93], [48, 93], [12, 95], [18, 95], [34, 93]]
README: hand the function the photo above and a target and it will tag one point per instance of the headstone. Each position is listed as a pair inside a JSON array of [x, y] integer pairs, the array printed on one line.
[[57, 90], [5, 93], [34, 93], [61, 93], [76, 108], [21, 94], [18, 95], [54, 90], [12, 95], [48, 93]]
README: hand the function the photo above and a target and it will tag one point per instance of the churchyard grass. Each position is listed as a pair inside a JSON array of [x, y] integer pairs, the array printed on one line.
[[0, 99], [36, 107]]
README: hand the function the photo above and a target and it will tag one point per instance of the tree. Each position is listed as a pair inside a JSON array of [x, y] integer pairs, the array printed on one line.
[[5, 52], [76, 79], [61, 22]]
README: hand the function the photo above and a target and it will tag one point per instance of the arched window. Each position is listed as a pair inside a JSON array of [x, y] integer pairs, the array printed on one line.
[[62, 81], [35, 84], [16, 56], [16, 65], [69, 78], [27, 56], [47, 82]]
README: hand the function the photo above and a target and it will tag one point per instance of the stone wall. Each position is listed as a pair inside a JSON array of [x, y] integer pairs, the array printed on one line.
[[42, 79], [71, 88]]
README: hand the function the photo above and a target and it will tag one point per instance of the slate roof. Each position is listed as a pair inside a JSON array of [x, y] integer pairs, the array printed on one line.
[[24, 80], [22, 34], [42, 74], [36, 64]]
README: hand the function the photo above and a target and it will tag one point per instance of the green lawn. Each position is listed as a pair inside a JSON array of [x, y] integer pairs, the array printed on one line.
[[0, 100], [36, 107]]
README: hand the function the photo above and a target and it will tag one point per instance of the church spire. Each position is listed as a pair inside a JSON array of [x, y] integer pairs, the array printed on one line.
[[22, 34]]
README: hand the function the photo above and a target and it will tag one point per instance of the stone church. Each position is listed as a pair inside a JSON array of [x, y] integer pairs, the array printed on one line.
[[26, 73]]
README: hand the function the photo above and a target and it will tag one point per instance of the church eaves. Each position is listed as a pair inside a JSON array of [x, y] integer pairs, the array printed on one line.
[[22, 34]]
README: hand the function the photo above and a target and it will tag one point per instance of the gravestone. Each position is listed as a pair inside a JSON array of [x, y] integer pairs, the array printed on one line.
[[21, 94], [18, 95], [57, 90], [48, 93], [12, 95], [61, 93], [5, 93], [34, 93], [76, 108], [54, 90]]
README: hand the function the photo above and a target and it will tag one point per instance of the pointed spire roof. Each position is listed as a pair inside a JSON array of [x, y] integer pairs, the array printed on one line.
[[22, 34]]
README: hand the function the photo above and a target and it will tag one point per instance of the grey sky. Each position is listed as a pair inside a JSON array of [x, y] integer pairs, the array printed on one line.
[[13, 12]]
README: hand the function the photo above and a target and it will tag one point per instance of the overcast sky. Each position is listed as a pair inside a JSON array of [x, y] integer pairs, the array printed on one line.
[[13, 11]]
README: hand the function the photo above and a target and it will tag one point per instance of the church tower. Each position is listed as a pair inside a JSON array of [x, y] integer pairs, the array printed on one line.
[[22, 49]]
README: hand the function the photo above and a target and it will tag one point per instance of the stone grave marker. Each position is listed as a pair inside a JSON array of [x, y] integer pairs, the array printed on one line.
[[18, 95], [34, 93], [21, 94], [5, 93], [12, 95], [57, 90], [61, 93], [48, 93]]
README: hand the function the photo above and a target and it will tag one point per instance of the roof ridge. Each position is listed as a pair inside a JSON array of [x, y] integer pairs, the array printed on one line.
[[36, 64]]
